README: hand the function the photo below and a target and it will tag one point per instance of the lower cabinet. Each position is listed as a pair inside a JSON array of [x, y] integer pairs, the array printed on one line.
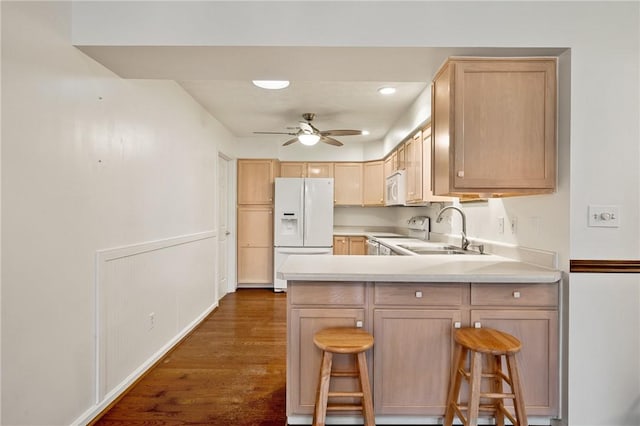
[[538, 358], [255, 245], [344, 245], [412, 359], [413, 325]]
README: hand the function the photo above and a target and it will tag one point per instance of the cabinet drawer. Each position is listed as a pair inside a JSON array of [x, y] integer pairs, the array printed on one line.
[[515, 294], [327, 293], [419, 294]]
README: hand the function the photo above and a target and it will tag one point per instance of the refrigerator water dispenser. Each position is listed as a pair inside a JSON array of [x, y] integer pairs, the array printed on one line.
[[288, 223]]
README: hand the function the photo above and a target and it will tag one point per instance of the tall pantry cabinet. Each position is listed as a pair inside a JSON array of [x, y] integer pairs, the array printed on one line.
[[255, 221]]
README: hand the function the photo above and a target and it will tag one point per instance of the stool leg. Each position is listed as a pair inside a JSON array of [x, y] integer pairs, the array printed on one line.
[[474, 385], [365, 386], [322, 394], [496, 386], [459, 355], [512, 366]]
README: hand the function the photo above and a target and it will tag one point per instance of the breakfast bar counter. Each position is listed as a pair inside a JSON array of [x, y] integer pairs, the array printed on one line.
[[430, 268], [412, 306]]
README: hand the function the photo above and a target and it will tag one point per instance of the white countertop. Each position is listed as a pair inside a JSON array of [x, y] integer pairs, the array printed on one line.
[[428, 268]]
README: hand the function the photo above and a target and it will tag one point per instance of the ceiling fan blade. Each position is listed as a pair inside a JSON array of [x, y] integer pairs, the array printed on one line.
[[330, 141], [274, 133], [290, 141], [341, 132]]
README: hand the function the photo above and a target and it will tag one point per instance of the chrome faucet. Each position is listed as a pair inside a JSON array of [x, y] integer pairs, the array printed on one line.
[[465, 242]]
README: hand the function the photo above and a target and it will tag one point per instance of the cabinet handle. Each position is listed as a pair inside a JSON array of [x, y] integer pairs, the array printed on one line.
[[477, 324], [457, 324], [516, 295], [419, 294], [461, 173], [359, 324]]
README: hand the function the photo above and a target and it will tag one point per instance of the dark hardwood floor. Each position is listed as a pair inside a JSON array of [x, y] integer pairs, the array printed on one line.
[[229, 371]]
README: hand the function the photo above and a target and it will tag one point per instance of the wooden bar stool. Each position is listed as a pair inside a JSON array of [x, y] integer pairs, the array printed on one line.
[[343, 340], [493, 344]]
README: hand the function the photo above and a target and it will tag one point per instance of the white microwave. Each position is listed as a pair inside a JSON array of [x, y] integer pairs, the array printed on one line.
[[395, 189]]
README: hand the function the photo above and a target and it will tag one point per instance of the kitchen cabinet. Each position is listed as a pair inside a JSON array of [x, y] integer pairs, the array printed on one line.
[[349, 245], [304, 169], [373, 183], [255, 245], [348, 189], [528, 312], [413, 166], [400, 158], [255, 181], [293, 169], [312, 308], [413, 324], [413, 328], [255, 221], [494, 126], [388, 166]]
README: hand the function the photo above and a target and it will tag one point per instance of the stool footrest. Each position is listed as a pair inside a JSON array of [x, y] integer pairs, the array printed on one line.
[[497, 395], [344, 374], [345, 394], [344, 407]]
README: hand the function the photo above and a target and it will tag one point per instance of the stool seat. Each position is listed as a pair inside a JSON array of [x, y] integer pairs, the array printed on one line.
[[493, 345], [343, 340], [487, 341]]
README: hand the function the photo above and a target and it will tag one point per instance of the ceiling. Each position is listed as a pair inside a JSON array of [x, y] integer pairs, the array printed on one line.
[[338, 84]]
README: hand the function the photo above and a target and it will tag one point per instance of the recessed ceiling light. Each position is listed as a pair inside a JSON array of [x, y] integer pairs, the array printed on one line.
[[387, 90], [364, 132], [271, 84]]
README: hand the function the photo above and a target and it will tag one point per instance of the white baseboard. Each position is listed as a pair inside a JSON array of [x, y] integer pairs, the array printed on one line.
[[92, 412]]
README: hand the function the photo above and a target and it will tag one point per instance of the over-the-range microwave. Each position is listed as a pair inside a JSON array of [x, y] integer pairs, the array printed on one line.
[[396, 191]]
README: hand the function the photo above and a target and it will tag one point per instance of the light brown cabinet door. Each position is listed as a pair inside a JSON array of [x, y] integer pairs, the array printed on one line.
[[496, 128], [373, 177], [348, 184], [413, 162], [320, 170], [538, 358], [412, 360], [401, 158], [255, 245], [340, 245], [304, 368], [255, 181], [293, 169], [357, 245], [388, 166]]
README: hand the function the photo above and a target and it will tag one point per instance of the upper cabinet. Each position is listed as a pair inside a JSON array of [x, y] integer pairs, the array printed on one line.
[[348, 184], [303, 169], [494, 126], [373, 182], [255, 181]]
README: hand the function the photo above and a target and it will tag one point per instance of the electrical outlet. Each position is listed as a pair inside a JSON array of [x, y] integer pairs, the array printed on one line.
[[514, 225], [501, 225], [604, 216]]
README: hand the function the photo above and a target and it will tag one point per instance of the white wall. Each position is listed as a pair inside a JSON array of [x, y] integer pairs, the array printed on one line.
[[89, 162], [599, 116]]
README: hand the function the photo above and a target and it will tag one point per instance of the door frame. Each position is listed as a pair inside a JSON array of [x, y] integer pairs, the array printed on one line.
[[231, 222]]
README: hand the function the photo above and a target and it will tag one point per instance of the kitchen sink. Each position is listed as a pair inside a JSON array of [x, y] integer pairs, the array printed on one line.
[[436, 249]]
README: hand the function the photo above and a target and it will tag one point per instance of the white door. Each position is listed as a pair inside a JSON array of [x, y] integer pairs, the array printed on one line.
[[223, 225]]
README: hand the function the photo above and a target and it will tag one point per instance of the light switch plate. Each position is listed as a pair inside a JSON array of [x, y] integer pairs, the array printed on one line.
[[604, 216]]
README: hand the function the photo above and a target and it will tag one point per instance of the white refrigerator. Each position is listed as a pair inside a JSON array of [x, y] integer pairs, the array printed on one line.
[[303, 220]]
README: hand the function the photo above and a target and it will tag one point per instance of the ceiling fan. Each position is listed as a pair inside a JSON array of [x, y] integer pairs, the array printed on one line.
[[307, 134]]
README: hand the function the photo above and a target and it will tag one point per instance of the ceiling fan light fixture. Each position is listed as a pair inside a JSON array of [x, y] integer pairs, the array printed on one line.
[[365, 133], [308, 139], [271, 84], [387, 90]]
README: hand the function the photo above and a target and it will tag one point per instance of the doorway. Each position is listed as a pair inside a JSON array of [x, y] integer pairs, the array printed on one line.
[[224, 226]]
